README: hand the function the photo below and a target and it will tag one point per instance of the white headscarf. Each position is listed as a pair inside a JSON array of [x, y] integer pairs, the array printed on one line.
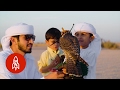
[[18, 29], [87, 27]]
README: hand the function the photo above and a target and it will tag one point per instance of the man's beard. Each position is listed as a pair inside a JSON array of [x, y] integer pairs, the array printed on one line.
[[23, 49]]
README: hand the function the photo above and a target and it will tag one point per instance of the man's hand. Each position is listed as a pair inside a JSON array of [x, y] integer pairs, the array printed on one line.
[[55, 62], [55, 75]]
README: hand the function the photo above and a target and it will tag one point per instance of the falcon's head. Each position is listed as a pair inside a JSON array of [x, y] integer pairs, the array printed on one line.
[[64, 32]]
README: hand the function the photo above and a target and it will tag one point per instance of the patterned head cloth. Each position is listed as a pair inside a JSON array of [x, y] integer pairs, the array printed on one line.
[[87, 27], [18, 29]]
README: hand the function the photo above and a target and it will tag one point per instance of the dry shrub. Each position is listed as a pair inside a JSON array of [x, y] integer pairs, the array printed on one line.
[[0, 46], [109, 45]]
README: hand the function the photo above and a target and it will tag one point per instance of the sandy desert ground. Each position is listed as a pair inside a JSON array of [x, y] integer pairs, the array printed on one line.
[[108, 63]]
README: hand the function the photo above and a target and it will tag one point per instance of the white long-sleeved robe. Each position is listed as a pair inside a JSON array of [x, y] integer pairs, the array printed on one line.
[[90, 55], [30, 71]]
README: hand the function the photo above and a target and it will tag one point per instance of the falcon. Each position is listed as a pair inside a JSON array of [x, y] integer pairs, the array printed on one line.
[[76, 67]]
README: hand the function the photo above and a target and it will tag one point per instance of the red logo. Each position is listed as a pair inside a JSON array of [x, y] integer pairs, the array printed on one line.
[[15, 63]]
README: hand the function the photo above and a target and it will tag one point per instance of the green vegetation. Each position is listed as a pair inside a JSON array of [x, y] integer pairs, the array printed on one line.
[[110, 45], [0, 46]]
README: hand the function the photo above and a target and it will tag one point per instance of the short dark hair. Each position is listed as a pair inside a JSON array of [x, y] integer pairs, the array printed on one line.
[[17, 36], [53, 33], [91, 34]]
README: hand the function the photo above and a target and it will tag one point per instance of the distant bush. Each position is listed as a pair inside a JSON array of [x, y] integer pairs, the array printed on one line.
[[109, 45], [0, 46]]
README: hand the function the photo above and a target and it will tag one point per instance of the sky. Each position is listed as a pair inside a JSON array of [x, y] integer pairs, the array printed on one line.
[[107, 23]]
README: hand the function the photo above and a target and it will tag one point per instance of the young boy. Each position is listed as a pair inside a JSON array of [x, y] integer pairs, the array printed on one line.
[[90, 46], [50, 58]]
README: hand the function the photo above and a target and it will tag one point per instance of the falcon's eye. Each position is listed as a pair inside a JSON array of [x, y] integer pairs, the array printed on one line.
[[77, 34], [64, 32]]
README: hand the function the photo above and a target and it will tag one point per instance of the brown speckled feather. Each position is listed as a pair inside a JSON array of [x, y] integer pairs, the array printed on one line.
[[70, 45]]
